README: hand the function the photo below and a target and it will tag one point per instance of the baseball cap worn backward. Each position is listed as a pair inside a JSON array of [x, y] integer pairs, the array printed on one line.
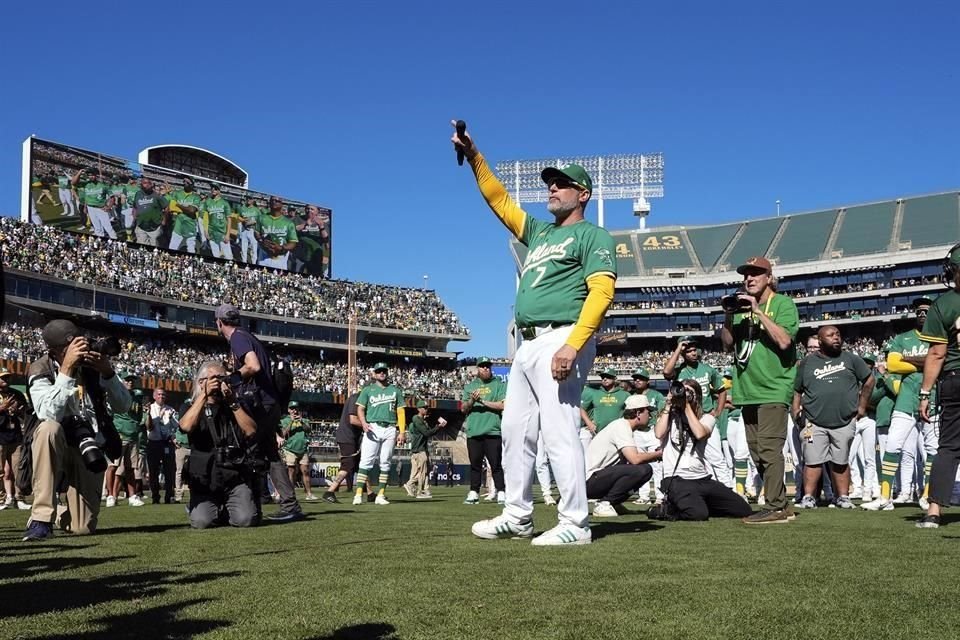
[[637, 401], [572, 172], [59, 333], [227, 312], [755, 263]]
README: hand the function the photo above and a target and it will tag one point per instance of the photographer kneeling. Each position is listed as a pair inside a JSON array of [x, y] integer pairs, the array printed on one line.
[[691, 491], [219, 470], [67, 442]]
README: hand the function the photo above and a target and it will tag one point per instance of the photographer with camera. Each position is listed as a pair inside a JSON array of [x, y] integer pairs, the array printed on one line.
[[219, 471], [65, 444], [760, 326], [691, 490]]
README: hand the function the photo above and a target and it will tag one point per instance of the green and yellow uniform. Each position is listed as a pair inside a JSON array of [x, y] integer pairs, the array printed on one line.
[[185, 226], [483, 421], [380, 403], [94, 194], [218, 213], [278, 229], [603, 406], [909, 344], [130, 423], [709, 379], [940, 327], [250, 215]]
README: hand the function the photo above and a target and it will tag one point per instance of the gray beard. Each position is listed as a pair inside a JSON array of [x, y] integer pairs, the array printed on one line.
[[561, 209]]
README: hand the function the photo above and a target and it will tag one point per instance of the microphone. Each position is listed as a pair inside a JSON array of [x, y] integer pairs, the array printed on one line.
[[461, 132]]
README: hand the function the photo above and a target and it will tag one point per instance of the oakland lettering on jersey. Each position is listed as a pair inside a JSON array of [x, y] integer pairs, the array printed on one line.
[[546, 253], [828, 370], [381, 398]]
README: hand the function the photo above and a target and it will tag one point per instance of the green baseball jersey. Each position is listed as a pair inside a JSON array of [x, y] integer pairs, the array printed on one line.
[[296, 441], [380, 403], [130, 423], [709, 379], [94, 194], [250, 215], [117, 191], [559, 260], [482, 421], [63, 182], [657, 403], [185, 226], [419, 434], [941, 327], [149, 209], [280, 229], [889, 383], [763, 373], [130, 193], [182, 439], [603, 406], [218, 214], [909, 344]]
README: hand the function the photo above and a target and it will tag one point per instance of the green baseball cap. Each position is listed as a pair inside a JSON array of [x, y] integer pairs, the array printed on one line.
[[608, 373], [871, 357], [128, 375], [690, 339], [293, 405], [482, 360], [641, 373], [422, 404], [4, 372], [728, 373], [379, 366], [572, 172]]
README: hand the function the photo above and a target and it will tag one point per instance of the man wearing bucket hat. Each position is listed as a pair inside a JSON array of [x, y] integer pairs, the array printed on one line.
[[566, 285]]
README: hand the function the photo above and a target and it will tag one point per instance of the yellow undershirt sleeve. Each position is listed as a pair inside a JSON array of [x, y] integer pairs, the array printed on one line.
[[511, 215], [896, 387], [599, 297], [895, 364]]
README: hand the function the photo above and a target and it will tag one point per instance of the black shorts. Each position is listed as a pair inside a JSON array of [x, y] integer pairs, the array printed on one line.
[[349, 456]]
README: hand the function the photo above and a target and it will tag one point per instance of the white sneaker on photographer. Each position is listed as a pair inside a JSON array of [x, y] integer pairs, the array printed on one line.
[[135, 501], [604, 509], [857, 493]]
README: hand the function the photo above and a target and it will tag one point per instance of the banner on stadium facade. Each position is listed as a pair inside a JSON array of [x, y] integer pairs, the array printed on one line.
[[131, 321], [202, 331], [618, 338], [397, 351], [501, 371]]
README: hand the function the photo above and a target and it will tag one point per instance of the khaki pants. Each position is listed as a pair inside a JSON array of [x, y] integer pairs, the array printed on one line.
[[418, 472], [149, 238], [54, 458], [11, 453], [766, 430], [182, 455]]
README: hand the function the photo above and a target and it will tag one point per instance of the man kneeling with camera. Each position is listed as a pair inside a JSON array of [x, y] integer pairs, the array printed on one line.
[[691, 491], [219, 470], [75, 428]]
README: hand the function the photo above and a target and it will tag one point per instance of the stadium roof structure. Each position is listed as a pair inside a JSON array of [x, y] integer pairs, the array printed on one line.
[[195, 161], [907, 229]]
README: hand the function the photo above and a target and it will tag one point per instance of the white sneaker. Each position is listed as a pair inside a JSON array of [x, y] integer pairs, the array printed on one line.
[[490, 497], [549, 501], [562, 535], [604, 509], [23, 506], [472, 498], [857, 493], [808, 502], [135, 501], [880, 504], [410, 491], [381, 500], [924, 503], [761, 500], [357, 499], [501, 497], [903, 498], [6, 505], [501, 527], [111, 501]]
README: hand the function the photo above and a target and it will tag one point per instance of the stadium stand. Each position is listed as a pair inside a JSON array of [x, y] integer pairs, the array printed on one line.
[[930, 221], [865, 229], [664, 250], [754, 241], [710, 242], [804, 237]]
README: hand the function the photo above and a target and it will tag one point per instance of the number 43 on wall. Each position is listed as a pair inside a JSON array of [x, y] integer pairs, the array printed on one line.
[[662, 242]]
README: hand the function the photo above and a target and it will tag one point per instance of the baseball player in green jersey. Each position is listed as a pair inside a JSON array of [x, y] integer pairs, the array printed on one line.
[[188, 201], [566, 284], [148, 208], [65, 183], [905, 357], [293, 428], [684, 364], [482, 403], [277, 236], [218, 212], [249, 219], [600, 407], [378, 407], [95, 197], [942, 367], [761, 333]]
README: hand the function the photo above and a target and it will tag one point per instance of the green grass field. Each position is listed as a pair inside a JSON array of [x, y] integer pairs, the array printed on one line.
[[412, 570]]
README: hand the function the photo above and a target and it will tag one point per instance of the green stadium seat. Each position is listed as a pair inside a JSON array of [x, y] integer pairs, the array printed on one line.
[[626, 256], [805, 237], [866, 229], [664, 250], [755, 241], [930, 221], [710, 242]]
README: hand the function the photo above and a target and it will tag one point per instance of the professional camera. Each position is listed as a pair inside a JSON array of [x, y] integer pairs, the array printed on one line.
[[230, 457], [80, 434], [733, 303], [107, 346], [678, 396]]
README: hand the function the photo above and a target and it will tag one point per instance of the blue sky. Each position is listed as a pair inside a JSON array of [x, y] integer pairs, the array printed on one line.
[[347, 104]]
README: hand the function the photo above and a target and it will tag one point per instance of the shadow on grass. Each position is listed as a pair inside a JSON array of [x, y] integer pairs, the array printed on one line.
[[140, 528], [35, 597], [33, 566], [366, 631], [165, 621], [605, 529]]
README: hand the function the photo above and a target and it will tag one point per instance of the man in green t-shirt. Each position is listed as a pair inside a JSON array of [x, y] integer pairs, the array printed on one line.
[[127, 467], [482, 403], [942, 363], [187, 202], [760, 329], [420, 434], [218, 213], [249, 214], [379, 410], [95, 198], [127, 194], [277, 236], [906, 354], [601, 406], [293, 428], [684, 364], [148, 208]]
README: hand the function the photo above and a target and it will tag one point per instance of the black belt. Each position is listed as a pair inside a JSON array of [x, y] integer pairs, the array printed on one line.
[[529, 333]]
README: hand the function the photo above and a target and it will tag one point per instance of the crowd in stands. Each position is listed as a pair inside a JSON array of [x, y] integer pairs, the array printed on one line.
[[113, 264]]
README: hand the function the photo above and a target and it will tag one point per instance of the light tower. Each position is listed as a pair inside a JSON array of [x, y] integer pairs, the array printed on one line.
[[636, 177]]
